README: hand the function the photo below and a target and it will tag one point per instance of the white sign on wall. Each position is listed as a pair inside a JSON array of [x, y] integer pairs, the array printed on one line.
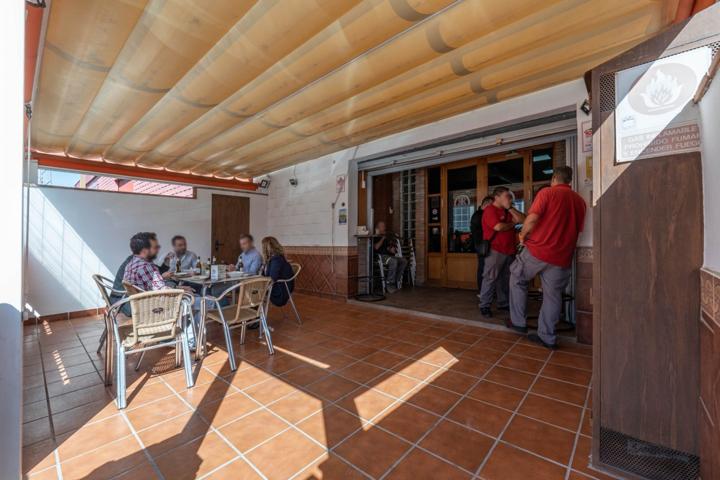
[[654, 114]]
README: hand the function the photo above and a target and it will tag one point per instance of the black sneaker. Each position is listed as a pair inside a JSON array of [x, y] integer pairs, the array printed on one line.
[[536, 339], [486, 312], [510, 325]]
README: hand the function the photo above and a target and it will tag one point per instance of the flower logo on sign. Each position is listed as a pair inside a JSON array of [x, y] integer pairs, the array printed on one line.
[[663, 88], [662, 91]]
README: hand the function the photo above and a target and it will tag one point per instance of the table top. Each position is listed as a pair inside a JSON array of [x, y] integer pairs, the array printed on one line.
[[205, 279]]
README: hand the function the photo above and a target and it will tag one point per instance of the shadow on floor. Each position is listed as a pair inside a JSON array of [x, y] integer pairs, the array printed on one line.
[[337, 400]]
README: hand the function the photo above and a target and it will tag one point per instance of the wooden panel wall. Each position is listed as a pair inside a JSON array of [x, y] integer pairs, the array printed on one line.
[[652, 249], [647, 255]]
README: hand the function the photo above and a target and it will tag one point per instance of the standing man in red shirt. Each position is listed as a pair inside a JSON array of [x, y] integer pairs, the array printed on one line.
[[498, 225], [549, 234]]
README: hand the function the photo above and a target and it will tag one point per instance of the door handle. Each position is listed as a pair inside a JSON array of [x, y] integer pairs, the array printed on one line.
[[218, 244]]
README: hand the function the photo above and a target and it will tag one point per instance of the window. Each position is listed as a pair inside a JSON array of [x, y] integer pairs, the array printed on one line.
[[542, 165], [508, 173], [462, 201], [60, 178], [407, 204]]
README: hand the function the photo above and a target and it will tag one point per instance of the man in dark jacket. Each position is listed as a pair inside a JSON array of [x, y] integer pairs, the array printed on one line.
[[477, 236]]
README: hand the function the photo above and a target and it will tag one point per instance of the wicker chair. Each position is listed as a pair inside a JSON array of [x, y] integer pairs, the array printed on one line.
[[253, 297], [105, 285], [296, 267], [158, 321], [131, 289]]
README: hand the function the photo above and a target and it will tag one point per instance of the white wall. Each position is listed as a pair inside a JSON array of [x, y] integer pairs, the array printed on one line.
[[76, 233], [302, 215], [584, 182], [710, 124], [12, 15]]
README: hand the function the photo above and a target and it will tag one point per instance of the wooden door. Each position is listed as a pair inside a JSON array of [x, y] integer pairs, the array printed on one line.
[[460, 182], [383, 201], [449, 262], [230, 219]]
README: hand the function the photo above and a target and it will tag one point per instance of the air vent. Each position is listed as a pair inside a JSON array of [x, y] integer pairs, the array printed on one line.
[[646, 459], [715, 47], [607, 92]]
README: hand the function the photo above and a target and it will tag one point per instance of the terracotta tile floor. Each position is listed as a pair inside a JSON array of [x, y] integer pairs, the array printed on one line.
[[458, 303], [355, 392]]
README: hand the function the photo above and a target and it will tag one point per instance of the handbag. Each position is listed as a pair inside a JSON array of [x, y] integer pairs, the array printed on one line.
[[483, 247]]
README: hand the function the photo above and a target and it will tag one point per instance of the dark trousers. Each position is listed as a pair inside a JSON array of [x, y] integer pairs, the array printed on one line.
[[480, 268]]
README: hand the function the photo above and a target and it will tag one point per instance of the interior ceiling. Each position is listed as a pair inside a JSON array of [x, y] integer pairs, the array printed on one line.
[[238, 88]]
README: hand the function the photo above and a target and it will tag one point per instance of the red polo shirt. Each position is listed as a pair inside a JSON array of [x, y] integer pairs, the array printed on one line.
[[504, 242], [562, 216]]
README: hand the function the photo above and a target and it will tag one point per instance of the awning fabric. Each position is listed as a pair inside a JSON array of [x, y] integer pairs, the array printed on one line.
[[238, 88]]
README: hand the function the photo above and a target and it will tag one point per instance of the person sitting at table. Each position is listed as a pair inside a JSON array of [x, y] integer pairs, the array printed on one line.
[[188, 260], [250, 259], [386, 247], [118, 286], [277, 268], [142, 272]]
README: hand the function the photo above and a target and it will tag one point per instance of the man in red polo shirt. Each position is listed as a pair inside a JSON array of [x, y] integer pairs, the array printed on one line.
[[549, 234], [498, 225]]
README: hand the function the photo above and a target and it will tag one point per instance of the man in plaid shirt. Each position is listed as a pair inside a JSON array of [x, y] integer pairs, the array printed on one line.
[[142, 272]]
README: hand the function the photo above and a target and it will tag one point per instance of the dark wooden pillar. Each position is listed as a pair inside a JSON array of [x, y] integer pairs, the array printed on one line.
[[648, 251]]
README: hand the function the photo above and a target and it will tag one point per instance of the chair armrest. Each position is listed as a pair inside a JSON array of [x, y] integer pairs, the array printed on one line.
[[223, 294]]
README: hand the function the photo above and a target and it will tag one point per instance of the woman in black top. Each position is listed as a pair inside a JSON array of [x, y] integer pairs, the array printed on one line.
[[277, 268]]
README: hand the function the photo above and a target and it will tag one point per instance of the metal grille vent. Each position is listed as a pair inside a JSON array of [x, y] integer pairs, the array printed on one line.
[[715, 47], [646, 459], [607, 92]]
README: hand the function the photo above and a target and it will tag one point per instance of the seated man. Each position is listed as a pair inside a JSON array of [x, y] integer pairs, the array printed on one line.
[[144, 274], [250, 260], [386, 247], [118, 286], [181, 254]]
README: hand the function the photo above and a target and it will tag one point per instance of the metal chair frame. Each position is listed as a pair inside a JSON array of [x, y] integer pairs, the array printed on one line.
[[296, 271], [382, 266], [180, 342], [105, 285], [262, 306]]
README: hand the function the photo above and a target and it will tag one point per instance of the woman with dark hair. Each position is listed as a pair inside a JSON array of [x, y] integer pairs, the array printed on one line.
[[277, 268]]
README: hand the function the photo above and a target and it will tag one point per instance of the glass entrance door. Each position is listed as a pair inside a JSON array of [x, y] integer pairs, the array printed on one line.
[[461, 195], [453, 194]]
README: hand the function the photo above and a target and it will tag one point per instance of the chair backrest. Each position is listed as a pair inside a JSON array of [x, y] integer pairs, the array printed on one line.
[[132, 289], [156, 314], [253, 294], [105, 285], [296, 267]]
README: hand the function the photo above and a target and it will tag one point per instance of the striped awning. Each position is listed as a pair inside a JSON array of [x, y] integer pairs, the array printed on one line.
[[238, 88]]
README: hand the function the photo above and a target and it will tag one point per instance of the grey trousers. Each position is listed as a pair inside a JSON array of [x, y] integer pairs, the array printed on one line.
[[496, 279], [395, 269], [554, 280]]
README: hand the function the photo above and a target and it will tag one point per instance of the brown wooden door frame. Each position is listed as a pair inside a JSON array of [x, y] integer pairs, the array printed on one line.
[[481, 191]]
